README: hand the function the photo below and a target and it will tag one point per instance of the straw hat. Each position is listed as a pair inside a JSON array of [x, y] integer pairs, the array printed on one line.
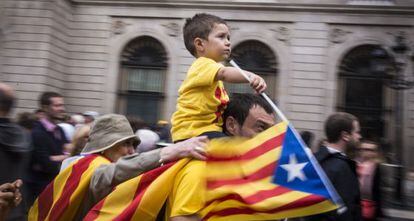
[[107, 131]]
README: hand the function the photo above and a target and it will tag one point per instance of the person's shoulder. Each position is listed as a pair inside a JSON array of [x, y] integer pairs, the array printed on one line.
[[322, 154], [330, 161], [193, 169], [195, 165], [38, 127]]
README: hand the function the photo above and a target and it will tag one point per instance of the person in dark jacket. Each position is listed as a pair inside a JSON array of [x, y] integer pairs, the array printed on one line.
[[343, 133], [48, 146], [14, 153]]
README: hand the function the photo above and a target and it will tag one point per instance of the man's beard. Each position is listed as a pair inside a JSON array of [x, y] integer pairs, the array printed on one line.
[[351, 148], [58, 117]]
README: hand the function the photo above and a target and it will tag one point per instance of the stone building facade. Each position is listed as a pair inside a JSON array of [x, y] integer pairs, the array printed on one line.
[[129, 57]]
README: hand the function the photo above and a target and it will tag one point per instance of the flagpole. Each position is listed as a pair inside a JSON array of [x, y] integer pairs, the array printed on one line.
[[264, 95], [275, 108]]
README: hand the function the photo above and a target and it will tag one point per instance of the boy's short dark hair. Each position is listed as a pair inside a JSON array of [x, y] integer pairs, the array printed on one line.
[[338, 122], [199, 26], [45, 98], [240, 105]]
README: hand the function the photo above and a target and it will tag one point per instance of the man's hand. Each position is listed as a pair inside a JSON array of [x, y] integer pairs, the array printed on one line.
[[17, 194], [194, 147], [10, 195], [6, 196]]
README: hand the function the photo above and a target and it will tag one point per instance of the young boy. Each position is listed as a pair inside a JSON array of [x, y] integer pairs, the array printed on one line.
[[202, 98]]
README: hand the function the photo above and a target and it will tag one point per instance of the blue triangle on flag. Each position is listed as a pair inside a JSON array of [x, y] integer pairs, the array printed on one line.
[[295, 170]]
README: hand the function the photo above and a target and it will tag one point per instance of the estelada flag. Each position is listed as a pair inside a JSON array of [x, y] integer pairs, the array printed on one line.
[[62, 197], [271, 176], [140, 198]]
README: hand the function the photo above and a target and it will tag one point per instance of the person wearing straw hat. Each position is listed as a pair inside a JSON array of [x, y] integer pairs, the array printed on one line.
[[109, 159]]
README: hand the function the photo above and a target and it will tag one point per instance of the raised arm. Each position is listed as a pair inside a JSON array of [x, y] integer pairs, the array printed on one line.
[[232, 75]]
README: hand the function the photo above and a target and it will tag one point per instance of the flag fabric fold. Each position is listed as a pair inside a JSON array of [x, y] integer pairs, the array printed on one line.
[[62, 197], [271, 176], [140, 198]]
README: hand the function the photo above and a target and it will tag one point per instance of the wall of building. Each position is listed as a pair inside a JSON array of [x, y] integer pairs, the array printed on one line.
[[34, 48], [88, 62]]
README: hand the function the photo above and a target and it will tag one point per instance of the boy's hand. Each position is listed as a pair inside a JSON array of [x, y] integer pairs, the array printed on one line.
[[257, 83]]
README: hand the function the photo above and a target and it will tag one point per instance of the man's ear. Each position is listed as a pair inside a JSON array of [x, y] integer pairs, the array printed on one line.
[[232, 126], [345, 136], [198, 44]]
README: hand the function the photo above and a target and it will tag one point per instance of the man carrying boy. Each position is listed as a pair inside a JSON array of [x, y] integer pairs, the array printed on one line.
[[246, 116], [202, 98], [201, 102]]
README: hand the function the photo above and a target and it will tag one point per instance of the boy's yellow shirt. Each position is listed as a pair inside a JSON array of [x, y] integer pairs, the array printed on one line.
[[201, 101]]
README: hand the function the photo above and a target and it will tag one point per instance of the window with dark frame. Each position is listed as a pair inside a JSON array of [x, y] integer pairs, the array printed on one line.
[[257, 57], [362, 91], [142, 79]]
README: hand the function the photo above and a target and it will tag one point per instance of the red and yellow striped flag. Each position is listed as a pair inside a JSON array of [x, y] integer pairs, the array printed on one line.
[[267, 177], [140, 198], [62, 197]]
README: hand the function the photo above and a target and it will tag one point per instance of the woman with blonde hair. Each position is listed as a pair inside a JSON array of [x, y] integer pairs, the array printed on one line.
[[369, 176]]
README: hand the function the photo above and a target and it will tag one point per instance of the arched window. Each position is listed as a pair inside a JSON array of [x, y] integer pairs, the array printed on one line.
[[142, 78], [258, 58], [362, 91]]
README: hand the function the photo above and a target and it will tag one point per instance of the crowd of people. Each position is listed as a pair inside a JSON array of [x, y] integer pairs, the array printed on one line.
[[39, 148]]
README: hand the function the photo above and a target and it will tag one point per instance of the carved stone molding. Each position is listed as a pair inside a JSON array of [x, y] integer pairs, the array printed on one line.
[[172, 29], [338, 35], [400, 33], [119, 27], [282, 33]]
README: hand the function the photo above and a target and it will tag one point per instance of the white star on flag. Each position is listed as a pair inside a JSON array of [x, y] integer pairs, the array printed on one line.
[[294, 169]]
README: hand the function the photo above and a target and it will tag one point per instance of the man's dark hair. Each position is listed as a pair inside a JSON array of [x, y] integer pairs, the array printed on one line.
[[307, 137], [199, 26], [46, 96], [337, 123], [6, 101], [240, 105], [26, 120], [39, 111], [136, 123]]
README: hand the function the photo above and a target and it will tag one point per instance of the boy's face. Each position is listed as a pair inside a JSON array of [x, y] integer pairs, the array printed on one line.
[[217, 45]]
